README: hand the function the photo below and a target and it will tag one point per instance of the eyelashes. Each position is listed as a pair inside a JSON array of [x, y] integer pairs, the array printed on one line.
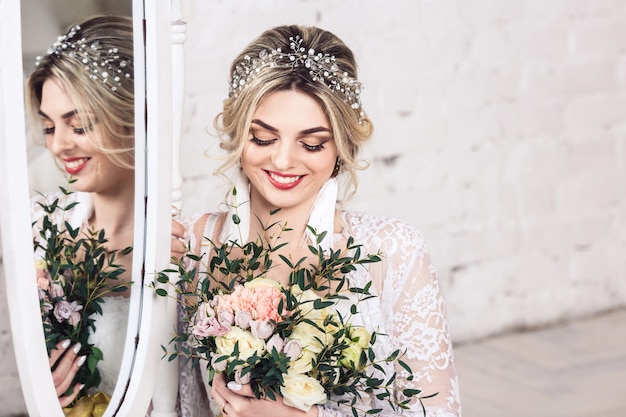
[[76, 130], [313, 148], [307, 147], [260, 142]]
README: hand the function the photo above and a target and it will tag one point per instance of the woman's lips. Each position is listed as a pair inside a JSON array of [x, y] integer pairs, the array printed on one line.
[[284, 182], [74, 165]]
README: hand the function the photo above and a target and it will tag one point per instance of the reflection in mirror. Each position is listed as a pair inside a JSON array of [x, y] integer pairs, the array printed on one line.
[[80, 102]]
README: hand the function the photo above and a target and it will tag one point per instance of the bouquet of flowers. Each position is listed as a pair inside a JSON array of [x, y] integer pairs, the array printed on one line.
[[74, 272], [294, 342]]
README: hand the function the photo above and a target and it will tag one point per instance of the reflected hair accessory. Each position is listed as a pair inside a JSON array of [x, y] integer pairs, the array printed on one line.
[[321, 68], [103, 64]]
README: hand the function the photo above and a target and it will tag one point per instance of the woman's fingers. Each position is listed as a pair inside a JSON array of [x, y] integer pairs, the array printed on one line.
[[244, 390], [65, 400], [55, 354], [217, 386], [66, 369], [178, 247], [178, 229]]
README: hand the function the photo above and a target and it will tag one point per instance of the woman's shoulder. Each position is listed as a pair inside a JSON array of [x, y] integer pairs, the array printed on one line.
[[381, 229]]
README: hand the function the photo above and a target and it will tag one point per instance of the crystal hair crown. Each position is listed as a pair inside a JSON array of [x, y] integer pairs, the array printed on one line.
[[321, 67], [103, 64]]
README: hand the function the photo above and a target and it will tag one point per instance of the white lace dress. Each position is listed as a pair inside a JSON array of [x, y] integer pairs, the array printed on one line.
[[111, 326], [409, 307]]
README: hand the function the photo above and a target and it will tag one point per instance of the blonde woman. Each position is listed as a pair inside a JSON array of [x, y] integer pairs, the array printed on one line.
[[293, 126]]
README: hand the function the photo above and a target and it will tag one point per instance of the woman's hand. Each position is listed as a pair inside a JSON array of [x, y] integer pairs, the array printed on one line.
[[65, 363], [241, 402], [178, 247]]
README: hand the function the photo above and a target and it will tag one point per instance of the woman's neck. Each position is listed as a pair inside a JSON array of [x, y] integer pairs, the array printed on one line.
[[114, 212]]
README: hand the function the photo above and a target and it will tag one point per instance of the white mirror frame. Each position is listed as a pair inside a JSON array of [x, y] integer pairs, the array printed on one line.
[[151, 247], [166, 390]]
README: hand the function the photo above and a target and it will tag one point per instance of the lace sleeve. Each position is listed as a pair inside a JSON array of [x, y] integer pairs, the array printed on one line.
[[413, 314]]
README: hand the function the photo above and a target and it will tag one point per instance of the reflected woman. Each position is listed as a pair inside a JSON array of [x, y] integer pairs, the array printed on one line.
[[81, 94]]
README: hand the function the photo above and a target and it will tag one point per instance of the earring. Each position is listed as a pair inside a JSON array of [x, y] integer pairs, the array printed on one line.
[[337, 168]]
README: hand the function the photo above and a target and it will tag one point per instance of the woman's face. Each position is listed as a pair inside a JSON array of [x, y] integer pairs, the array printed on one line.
[[71, 142], [290, 151]]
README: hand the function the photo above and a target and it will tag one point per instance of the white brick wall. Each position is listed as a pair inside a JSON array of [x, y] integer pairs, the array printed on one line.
[[500, 133]]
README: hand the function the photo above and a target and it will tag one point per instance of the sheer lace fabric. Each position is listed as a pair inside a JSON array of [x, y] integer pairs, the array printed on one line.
[[409, 308]]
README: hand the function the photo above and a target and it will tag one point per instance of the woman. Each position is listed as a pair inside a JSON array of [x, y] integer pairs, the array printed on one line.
[[81, 93], [293, 126]]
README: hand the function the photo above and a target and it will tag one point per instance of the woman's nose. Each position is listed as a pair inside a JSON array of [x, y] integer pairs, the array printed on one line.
[[59, 141], [283, 155]]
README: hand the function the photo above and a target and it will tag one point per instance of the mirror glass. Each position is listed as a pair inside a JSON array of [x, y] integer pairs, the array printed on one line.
[[104, 193]]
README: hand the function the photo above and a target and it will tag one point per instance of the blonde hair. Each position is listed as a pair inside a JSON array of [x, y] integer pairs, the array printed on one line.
[[350, 127], [110, 110]]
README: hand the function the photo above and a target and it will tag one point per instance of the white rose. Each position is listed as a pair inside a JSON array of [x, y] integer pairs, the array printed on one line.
[[360, 336], [304, 363], [309, 336], [248, 344], [263, 282], [301, 391]]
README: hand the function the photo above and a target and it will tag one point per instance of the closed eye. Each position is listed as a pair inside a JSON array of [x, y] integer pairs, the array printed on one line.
[[260, 142], [312, 148]]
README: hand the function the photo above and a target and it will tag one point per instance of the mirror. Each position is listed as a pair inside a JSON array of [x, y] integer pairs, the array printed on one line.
[[135, 370]]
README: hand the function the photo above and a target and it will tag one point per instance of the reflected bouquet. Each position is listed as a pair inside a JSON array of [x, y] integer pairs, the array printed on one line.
[[295, 342], [74, 271]]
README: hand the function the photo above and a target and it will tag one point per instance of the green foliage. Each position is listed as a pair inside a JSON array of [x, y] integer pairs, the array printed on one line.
[[74, 273], [325, 273]]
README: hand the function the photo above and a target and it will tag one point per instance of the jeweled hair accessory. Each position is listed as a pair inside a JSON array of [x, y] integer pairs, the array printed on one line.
[[321, 67], [103, 64]]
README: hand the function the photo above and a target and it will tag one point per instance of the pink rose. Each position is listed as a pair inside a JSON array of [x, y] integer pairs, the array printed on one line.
[[74, 318], [261, 329], [242, 319], [275, 342], [56, 290], [209, 327], [227, 318], [242, 379], [63, 310], [205, 310], [218, 366], [292, 349]]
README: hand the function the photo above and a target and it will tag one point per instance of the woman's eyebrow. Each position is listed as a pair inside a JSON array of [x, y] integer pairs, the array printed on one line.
[[265, 125], [67, 115], [303, 132]]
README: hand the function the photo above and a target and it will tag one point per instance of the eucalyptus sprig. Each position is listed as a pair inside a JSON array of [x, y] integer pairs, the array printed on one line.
[[75, 271]]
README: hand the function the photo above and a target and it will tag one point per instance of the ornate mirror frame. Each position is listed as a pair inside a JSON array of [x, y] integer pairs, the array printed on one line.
[[153, 168]]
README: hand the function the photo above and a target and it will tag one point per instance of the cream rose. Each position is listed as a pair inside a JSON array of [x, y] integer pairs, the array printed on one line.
[[262, 282], [301, 391], [304, 363], [309, 336], [248, 344], [360, 336], [351, 356]]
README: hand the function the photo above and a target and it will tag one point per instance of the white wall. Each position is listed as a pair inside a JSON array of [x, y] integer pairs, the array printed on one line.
[[500, 133]]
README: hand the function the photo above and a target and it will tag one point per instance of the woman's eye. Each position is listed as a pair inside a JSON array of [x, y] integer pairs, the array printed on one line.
[[261, 142], [312, 148], [79, 130], [48, 130]]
